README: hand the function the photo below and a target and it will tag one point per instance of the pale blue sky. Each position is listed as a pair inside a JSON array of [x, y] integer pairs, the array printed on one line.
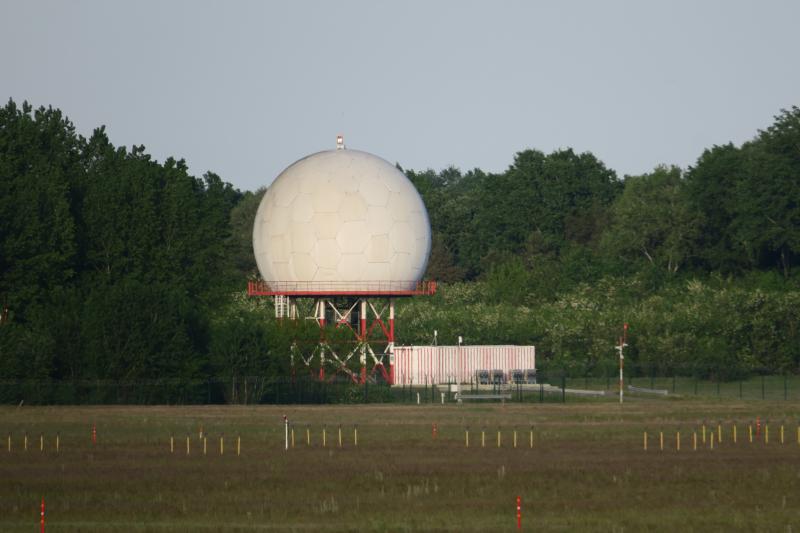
[[246, 88]]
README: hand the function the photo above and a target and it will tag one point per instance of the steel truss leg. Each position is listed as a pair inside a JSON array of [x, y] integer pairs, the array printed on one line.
[[370, 318]]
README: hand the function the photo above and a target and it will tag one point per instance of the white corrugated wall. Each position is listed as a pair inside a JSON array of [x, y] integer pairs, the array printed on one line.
[[457, 364]]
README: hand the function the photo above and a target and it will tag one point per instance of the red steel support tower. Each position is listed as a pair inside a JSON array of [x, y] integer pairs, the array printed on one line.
[[375, 305]]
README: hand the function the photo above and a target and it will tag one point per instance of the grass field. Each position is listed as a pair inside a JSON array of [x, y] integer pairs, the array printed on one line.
[[587, 470]]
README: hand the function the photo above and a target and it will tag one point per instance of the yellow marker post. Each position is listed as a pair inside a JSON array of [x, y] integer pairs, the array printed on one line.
[[41, 442], [719, 433], [292, 436], [750, 432], [661, 440], [678, 441], [704, 433], [205, 446], [498, 437], [308, 436], [483, 438], [239, 444], [781, 433], [644, 441], [222, 444], [466, 438], [531, 436], [25, 442], [355, 435], [171, 444], [515, 438], [694, 440], [187, 444], [340, 436], [734, 433], [712, 440], [58, 441], [324, 436], [766, 433]]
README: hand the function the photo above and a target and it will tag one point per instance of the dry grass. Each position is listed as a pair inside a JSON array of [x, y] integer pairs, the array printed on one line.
[[587, 470]]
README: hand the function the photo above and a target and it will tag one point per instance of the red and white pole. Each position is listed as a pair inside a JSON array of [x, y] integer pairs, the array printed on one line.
[[391, 341], [363, 334], [621, 365], [519, 512], [622, 344], [94, 434], [41, 521], [321, 321]]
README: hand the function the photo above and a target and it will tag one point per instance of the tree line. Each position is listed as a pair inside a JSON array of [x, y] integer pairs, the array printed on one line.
[[736, 210], [112, 265], [116, 266], [559, 251]]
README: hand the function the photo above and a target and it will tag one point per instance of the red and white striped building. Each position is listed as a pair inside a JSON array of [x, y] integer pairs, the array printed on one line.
[[457, 364]]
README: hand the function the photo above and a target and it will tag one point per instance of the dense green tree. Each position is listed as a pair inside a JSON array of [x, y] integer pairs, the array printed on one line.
[[559, 196], [242, 217], [651, 221], [441, 263], [710, 191], [747, 200], [136, 330], [766, 218], [39, 163]]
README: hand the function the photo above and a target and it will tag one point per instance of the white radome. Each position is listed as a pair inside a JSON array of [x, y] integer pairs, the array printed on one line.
[[338, 219]]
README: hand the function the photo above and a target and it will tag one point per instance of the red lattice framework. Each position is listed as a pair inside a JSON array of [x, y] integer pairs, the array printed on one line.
[[374, 303]]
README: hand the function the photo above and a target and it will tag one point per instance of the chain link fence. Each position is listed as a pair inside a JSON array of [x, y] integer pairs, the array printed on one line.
[[549, 386]]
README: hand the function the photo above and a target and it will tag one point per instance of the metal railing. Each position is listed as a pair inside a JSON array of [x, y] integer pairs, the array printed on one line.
[[341, 288]]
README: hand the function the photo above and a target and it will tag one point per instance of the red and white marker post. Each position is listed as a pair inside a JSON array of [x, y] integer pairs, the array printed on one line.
[[321, 322], [286, 431], [363, 334], [623, 342], [519, 512], [94, 434], [390, 340], [41, 521]]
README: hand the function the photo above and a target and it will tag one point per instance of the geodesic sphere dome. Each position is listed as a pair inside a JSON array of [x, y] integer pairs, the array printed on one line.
[[339, 219]]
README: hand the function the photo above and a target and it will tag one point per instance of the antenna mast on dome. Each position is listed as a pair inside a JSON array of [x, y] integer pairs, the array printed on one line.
[[340, 142]]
